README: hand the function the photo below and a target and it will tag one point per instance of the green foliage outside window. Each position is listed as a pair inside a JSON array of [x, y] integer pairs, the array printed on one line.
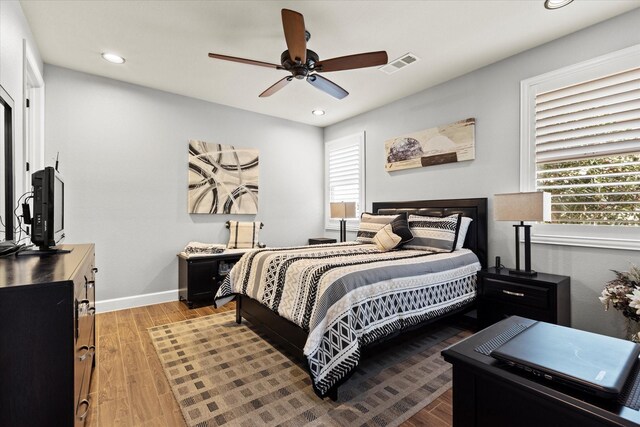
[[596, 191]]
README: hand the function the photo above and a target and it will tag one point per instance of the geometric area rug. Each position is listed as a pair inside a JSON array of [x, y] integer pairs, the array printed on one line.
[[225, 374]]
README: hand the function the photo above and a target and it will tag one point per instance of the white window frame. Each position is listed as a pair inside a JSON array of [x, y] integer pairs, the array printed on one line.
[[611, 237], [353, 223]]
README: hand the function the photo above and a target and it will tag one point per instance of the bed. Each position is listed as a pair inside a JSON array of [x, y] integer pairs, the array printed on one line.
[[362, 296]]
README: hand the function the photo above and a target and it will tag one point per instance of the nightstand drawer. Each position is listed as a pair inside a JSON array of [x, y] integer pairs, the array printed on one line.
[[542, 297], [517, 293]]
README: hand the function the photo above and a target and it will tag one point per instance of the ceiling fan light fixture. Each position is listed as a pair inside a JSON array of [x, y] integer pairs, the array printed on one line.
[[113, 58], [318, 112], [556, 4]]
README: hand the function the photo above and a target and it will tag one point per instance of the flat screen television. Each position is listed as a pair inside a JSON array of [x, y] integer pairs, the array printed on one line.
[[47, 226]]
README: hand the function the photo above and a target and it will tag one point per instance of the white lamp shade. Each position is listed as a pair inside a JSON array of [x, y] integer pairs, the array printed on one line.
[[533, 206], [343, 209]]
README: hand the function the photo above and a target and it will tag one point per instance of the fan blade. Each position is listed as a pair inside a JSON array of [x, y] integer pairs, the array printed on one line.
[[327, 86], [350, 62], [244, 61], [293, 24], [276, 87]]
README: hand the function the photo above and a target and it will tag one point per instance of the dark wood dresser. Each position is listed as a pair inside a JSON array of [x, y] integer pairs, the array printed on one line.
[[47, 337]]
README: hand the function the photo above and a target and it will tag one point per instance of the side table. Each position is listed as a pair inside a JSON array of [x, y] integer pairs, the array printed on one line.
[[199, 277], [542, 297], [321, 240]]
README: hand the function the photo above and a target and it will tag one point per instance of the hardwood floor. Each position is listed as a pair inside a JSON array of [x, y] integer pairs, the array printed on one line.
[[129, 387]]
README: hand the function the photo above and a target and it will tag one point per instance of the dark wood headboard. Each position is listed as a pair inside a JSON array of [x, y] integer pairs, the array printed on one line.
[[476, 209]]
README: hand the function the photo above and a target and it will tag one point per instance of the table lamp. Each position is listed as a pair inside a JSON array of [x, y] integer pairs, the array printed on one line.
[[343, 210], [532, 206]]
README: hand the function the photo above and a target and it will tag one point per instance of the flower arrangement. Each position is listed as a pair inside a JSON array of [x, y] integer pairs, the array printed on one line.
[[623, 293]]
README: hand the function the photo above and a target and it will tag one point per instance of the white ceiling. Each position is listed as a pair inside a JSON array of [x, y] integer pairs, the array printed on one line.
[[166, 43]]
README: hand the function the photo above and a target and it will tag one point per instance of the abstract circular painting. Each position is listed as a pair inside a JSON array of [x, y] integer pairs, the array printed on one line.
[[223, 179]]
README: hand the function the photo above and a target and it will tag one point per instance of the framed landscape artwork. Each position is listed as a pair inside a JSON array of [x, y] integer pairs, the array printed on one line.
[[451, 143], [223, 179]]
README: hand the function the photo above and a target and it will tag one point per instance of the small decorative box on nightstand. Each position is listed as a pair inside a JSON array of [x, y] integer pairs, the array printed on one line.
[[542, 297], [321, 240], [201, 276]]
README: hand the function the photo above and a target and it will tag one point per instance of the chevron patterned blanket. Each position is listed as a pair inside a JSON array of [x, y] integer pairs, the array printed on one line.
[[348, 295]]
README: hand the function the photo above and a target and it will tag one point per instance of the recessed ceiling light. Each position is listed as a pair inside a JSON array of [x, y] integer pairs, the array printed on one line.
[[556, 4], [112, 57], [318, 112]]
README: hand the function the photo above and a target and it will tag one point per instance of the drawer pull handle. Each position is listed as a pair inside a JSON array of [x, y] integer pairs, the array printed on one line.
[[91, 311], [94, 269], [89, 349], [91, 284], [82, 416], [84, 301], [515, 294]]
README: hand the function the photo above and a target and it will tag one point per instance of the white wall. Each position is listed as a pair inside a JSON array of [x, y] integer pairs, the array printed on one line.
[[124, 156], [14, 31], [491, 95]]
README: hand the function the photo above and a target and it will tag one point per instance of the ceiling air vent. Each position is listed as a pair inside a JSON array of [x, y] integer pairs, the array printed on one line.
[[399, 63]]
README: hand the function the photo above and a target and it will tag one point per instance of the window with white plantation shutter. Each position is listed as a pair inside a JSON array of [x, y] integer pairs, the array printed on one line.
[[344, 176], [588, 150], [581, 143]]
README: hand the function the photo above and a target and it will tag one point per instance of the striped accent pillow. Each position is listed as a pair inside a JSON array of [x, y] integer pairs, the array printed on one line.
[[370, 224], [243, 235], [433, 233], [386, 239]]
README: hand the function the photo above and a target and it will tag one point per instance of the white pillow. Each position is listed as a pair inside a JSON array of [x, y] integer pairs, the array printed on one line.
[[462, 233]]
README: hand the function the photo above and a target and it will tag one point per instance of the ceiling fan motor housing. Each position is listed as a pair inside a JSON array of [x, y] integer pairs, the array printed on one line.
[[298, 70]]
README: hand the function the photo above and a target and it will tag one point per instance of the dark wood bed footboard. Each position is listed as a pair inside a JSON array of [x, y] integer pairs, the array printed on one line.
[[284, 332], [281, 331]]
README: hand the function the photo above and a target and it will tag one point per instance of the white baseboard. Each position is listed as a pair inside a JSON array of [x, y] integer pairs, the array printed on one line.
[[136, 301]]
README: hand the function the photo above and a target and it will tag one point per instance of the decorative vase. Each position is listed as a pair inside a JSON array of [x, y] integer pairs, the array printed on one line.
[[633, 330]]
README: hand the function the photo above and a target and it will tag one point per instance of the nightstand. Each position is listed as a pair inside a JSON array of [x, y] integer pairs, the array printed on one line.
[[542, 297], [321, 240], [200, 277]]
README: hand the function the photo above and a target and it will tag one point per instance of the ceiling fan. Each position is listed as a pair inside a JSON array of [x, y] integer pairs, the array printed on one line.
[[304, 63]]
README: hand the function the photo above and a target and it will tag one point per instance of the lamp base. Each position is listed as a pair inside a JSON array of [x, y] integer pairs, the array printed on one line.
[[523, 272], [343, 230]]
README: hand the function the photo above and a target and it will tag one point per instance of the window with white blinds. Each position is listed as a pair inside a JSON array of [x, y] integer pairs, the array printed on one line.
[[344, 175], [580, 141], [587, 139]]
